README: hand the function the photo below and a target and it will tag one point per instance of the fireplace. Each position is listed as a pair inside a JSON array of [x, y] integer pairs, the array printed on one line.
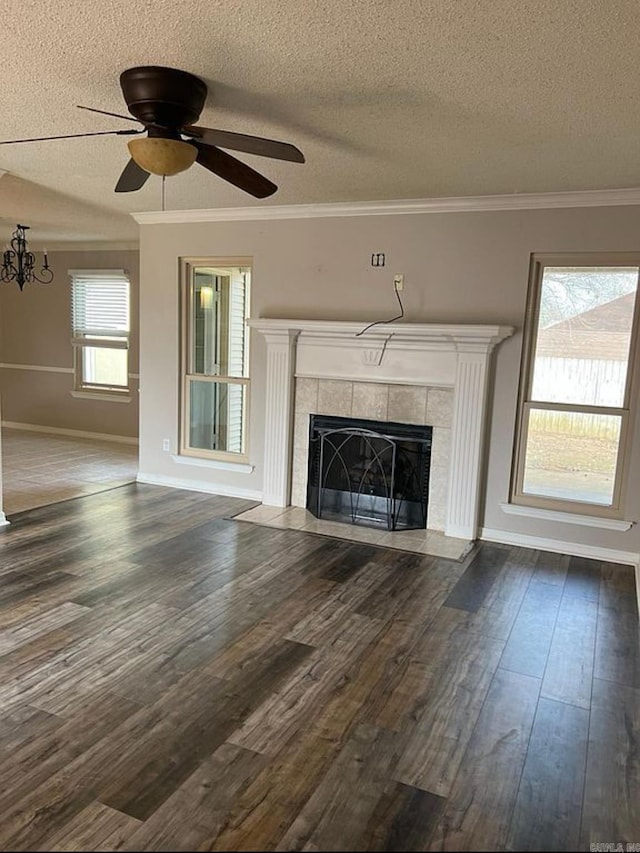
[[387, 368], [369, 472]]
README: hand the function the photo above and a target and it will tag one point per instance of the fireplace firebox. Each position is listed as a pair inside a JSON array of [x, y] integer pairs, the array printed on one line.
[[369, 472]]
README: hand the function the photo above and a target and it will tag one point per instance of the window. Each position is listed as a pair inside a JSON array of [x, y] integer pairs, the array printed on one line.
[[577, 384], [100, 323], [215, 379]]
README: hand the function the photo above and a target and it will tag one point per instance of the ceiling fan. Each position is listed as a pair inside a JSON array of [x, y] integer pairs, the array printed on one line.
[[167, 102]]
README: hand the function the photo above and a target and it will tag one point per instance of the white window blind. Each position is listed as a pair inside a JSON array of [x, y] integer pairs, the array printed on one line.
[[100, 303]]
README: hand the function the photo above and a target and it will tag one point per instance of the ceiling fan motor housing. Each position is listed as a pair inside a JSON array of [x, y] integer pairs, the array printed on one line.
[[163, 96]]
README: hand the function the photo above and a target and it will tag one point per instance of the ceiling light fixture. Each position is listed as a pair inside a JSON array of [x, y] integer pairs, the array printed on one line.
[[162, 156], [18, 263]]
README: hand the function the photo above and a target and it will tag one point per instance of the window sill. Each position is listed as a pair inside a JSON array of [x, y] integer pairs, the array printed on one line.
[[237, 467], [566, 517], [101, 395]]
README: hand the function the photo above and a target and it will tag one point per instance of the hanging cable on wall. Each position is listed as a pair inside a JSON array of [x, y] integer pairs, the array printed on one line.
[[392, 320]]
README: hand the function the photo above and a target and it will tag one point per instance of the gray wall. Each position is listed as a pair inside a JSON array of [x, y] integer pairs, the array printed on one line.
[[458, 267], [36, 330]]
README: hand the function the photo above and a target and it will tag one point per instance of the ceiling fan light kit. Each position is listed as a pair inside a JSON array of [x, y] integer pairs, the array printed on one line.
[[166, 101], [162, 156]]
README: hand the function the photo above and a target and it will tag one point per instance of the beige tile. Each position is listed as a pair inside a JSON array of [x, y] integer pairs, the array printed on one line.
[[328, 528], [407, 404], [299, 459], [299, 493], [260, 514], [359, 533], [296, 517], [438, 491], [306, 399], [440, 448], [439, 406], [447, 546], [334, 397], [370, 400], [40, 468]]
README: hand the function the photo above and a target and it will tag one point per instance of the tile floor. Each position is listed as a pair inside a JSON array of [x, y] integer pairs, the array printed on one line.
[[42, 468], [431, 542]]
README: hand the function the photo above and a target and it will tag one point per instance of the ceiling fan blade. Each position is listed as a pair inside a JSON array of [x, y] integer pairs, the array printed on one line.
[[133, 178], [244, 142], [234, 171], [105, 113], [73, 136]]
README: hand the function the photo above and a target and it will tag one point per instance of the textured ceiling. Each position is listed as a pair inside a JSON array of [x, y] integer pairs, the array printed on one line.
[[388, 99]]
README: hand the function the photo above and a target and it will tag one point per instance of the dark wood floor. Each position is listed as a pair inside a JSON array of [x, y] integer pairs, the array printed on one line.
[[175, 680]]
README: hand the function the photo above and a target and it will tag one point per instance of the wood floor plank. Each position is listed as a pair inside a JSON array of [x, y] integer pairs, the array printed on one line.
[[151, 771], [96, 827], [618, 587], [475, 584], [198, 810], [263, 814], [528, 645], [339, 812], [295, 703], [496, 615], [39, 624], [477, 814], [42, 786], [551, 569], [403, 820], [583, 578], [21, 725], [617, 648], [569, 669], [455, 682], [89, 665], [612, 786], [548, 808]]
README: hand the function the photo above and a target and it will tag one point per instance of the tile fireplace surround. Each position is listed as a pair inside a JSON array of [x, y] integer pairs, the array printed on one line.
[[408, 372]]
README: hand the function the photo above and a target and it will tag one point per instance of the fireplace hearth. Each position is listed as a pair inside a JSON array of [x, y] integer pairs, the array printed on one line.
[[369, 472]]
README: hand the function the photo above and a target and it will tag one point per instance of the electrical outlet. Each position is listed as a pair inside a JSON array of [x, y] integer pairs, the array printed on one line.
[[166, 444], [398, 282]]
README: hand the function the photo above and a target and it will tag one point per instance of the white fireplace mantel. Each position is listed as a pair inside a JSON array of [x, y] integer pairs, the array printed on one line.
[[455, 356]]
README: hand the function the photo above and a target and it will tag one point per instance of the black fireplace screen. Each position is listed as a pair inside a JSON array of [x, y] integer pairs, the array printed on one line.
[[369, 472]]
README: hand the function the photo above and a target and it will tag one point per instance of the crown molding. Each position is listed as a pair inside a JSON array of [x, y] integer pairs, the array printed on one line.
[[88, 246], [461, 204]]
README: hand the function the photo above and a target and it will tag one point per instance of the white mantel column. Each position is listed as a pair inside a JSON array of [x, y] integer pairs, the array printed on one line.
[[278, 432], [467, 434]]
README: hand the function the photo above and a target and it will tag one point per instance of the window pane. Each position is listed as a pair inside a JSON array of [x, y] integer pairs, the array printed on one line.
[[216, 416], [572, 456], [100, 304], [105, 366], [219, 310], [584, 332]]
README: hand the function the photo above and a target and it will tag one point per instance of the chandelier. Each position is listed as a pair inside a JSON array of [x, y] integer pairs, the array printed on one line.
[[18, 263]]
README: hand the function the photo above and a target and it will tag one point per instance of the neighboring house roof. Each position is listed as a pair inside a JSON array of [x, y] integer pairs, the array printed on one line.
[[599, 333]]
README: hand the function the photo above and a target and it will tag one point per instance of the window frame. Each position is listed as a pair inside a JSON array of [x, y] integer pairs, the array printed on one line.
[[187, 295], [626, 412], [81, 342]]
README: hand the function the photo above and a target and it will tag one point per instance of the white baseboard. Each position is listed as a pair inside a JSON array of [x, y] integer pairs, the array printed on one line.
[[190, 485], [558, 546], [76, 433], [4, 521]]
